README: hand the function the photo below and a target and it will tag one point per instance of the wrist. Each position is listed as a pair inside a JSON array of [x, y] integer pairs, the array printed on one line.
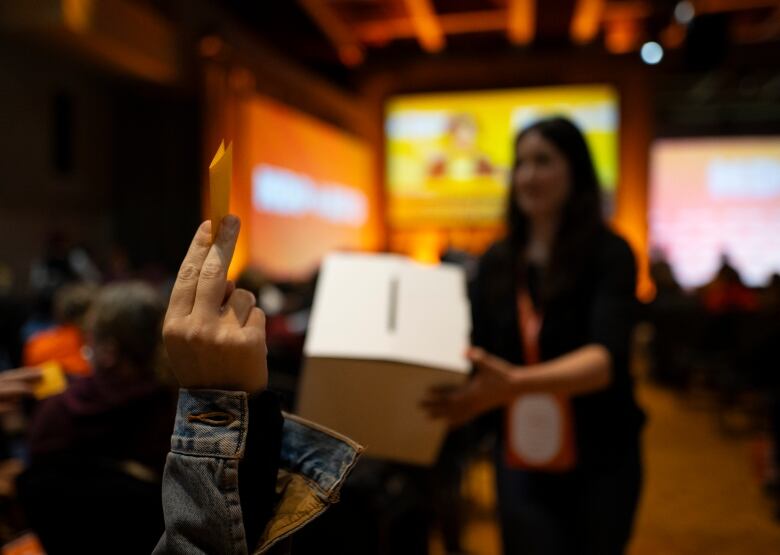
[[249, 385], [249, 389], [518, 380]]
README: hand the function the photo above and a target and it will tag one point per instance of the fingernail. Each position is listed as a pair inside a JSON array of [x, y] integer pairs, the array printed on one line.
[[231, 223]]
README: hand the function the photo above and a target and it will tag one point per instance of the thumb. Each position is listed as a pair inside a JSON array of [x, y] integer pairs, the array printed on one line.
[[486, 362]]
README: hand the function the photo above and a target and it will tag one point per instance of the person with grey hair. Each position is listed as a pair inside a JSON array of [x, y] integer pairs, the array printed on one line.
[[98, 449]]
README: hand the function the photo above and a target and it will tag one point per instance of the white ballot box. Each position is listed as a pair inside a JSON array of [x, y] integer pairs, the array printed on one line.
[[384, 330]]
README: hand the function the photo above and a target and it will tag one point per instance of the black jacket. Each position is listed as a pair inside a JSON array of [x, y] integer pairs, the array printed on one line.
[[600, 307]]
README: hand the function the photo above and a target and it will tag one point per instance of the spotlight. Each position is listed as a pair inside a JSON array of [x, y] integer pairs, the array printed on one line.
[[652, 53], [684, 12]]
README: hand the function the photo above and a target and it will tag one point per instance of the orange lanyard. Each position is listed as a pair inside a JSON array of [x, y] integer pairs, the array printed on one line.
[[530, 321]]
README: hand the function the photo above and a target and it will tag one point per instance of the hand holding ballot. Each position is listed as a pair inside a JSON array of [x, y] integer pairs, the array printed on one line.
[[17, 384], [493, 386], [214, 333]]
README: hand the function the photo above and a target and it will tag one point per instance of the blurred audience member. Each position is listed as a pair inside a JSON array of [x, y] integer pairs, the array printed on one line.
[[53, 269], [98, 450], [61, 264], [119, 267], [670, 315], [64, 343], [668, 293], [770, 298], [252, 279], [15, 386], [726, 292], [770, 304], [114, 411]]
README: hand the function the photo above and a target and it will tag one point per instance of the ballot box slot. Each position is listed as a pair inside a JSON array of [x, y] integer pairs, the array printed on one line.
[[392, 313]]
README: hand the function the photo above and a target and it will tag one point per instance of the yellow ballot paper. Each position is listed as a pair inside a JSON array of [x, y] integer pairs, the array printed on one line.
[[52, 380], [220, 178]]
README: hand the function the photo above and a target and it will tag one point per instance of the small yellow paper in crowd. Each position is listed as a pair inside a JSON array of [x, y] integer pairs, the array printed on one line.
[[52, 380], [220, 178]]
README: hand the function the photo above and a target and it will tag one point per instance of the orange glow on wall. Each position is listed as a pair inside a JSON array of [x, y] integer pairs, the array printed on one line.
[[621, 36], [631, 203], [673, 36], [78, 13]]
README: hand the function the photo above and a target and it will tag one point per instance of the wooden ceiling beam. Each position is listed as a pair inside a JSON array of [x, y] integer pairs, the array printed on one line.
[[586, 21], [343, 39], [382, 31], [426, 24], [521, 21], [639, 9]]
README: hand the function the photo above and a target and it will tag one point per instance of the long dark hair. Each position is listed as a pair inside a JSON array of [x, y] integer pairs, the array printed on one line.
[[581, 219]]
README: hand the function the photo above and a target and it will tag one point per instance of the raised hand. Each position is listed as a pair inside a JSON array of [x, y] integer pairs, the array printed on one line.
[[214, 333]]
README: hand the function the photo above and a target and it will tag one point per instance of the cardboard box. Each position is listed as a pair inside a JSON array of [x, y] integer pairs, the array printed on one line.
[[384, 330]]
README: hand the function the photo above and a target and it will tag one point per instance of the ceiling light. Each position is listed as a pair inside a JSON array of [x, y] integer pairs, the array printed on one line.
[[684, 12], [652, 53]]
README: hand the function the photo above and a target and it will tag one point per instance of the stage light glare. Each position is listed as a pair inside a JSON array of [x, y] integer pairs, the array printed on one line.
[[684, 12], [652, 53]]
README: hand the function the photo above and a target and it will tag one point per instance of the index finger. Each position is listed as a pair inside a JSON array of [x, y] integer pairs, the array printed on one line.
[[183, 292], [213, 275]]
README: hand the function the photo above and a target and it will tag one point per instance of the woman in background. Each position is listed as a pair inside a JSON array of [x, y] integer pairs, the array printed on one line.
[[553, 311]]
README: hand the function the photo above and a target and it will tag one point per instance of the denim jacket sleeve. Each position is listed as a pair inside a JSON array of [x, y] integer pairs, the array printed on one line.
[[201, 503]]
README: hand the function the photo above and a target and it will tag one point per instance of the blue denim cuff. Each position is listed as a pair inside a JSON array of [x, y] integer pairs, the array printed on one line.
[[210, 423], [324, 457]]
